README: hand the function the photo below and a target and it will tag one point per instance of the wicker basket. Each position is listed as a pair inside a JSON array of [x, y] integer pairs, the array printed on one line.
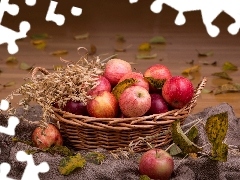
[[83, 132]]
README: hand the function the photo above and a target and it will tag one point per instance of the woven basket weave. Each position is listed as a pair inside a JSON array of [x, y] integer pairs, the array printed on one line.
[[84, 132]]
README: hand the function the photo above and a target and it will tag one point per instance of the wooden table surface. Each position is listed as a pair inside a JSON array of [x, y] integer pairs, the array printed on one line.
[[103, 20]]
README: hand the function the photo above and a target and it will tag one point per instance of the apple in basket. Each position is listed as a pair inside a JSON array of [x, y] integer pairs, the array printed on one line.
[[134, 101], [115, 69], [103, 85], [76, 107], [103, 105], [178, 91], [156, 164], [45, 137], [158, 104], [158, 72], [139, 77]]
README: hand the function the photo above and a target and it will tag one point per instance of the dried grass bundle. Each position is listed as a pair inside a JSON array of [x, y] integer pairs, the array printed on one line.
[[56, 88]]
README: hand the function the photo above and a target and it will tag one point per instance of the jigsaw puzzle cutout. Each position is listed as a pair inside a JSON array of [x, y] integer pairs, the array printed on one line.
[[59, 19], [31, 171], [210, 10]]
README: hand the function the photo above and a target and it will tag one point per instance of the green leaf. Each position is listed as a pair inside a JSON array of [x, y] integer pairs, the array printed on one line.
[[174, 150], [222, 75], [156, 83], [121, 86], [95, 157], [40, 36], [81, 36], [157, 40], [62, 150], [146, 56], [182, 141], [205, 54], [70, 163], [229, 66], [227, 88], [144, 177], [25, 66], [216, 129]]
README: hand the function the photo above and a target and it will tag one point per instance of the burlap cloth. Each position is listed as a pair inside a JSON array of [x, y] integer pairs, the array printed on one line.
[[123, 168]]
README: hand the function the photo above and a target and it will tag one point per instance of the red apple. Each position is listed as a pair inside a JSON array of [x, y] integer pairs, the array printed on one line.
[[115, 69], [156, 164], [103, 105], [76, 107], [46, 137], [134, 101], [178, 91], [158, 72], [158, 104], [103, 85], [139, 77]]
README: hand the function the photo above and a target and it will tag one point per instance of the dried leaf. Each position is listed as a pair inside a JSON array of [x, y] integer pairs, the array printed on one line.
[[191, 69], [142, 56], [95, 157], [9, 84], [70, 163], [25, 66], [229, 66], [120, 38], [205, 54], [174, 150], [59, 52], [92, 50], [182, 141], [40, 36], [216, 129], [206, 91], [144, 47], [227, 88], [157, 40], [214, 63], [222, 75], [192, 133], [39, 44], [11, 60], [121, 86], [0, 71], [81, 36], [157, 83], [193, 155]]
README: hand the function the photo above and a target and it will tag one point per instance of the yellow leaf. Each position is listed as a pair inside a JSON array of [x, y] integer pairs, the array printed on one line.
[[11, 60], [9, 84], [39, 44], [144, 47], [143, 56], [81, 36], [120, 87], [40, 36], [229, 66], [25, 66], [191, 69], [59, 52]]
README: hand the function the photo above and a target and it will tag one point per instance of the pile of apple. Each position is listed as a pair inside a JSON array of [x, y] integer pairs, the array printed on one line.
[[142, 97]]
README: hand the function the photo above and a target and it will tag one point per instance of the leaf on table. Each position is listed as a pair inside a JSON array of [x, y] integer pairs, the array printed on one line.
[[191, 69], [9, 84], [213, 63], [0, 71], [40, 36], [206, 91], [157, 40], [216, 129], [222, 75], [227, 88], [205, 54], [229, 66], [144, 47], [95, 157], [121, 86], [25, 66], [11, 60], [70, 163], [81, 36], [156, 83], [182, 141], [59, 52], [39, 44], [144, 177], [92, 50], [146, 56], [120, 38], [190, 62]]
